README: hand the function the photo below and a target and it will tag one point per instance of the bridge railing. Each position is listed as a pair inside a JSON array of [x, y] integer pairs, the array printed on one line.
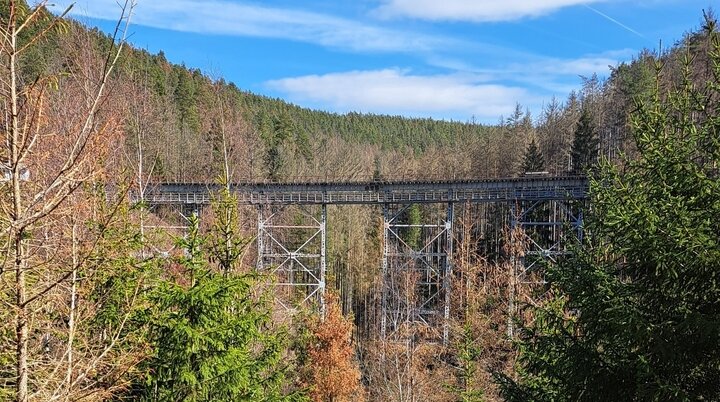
[[379, 193]]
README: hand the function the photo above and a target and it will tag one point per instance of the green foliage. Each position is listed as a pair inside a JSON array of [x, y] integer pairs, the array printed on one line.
[[533, 160], [585, 143], [468, 353], [118, 276], [284, 140], [185, 96], [225, 244], [275, 133], [413, 236], [637, 309], [635, 80], [211, 339]]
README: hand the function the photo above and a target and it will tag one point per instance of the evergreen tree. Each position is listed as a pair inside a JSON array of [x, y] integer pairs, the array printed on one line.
[[468, 353], [185, 96], [413, 236], [377, 169], [210, 339], [637, 309], [275, 136], [533, 160], [585, 143], [225, 244]]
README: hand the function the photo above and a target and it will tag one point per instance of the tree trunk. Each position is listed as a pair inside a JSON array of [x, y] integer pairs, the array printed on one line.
[[21, 320], [21, 329]]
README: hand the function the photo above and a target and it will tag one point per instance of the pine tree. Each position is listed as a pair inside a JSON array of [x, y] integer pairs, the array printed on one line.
[[377, 169], [468, 353], [533, 160], [585, 144], [637, 309], [413, 235]]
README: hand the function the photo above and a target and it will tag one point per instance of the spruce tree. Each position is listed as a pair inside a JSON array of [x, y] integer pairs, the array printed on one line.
[[637, 309], [413, 235], [225, 244], [533, 160], [210, 337], [585, 143]]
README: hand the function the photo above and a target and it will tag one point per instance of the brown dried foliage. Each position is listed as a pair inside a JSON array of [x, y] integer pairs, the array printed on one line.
[[332, 370]]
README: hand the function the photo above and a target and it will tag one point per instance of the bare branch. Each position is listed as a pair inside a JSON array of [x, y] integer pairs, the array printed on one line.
[[57, 20]]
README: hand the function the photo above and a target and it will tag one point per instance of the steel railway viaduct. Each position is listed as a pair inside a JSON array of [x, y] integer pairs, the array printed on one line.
[[292, 232]]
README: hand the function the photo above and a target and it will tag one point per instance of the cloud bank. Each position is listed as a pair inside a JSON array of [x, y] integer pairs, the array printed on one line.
[[222, 17], [396, 91], [474, 10], [483, 93]]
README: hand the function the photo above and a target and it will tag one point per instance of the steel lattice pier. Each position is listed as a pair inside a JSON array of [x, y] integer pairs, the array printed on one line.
[[417, 273]]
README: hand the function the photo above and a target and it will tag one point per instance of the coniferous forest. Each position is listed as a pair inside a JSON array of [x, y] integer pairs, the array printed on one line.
[[103, 298]]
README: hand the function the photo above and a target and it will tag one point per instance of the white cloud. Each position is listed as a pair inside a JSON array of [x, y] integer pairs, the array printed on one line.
[[485, 92], [223, 17], [555, 75], [474, 10], [395, 91], [546, 71], [585, 66]]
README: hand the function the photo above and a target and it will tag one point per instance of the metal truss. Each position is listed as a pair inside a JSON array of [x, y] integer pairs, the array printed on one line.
[[416, 275], [294, 253], [547, 226], [379, 192]]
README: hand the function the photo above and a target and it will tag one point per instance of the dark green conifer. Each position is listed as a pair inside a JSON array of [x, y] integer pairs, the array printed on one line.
[[211, 339], [585, 144], [533, 160]]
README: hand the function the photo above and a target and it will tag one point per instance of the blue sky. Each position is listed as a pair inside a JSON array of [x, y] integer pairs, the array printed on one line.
[[445, 59]]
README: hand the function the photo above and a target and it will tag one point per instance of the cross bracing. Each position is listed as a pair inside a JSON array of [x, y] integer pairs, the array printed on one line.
[[416, 276]]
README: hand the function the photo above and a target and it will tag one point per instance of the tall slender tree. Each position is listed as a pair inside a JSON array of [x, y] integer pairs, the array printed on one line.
[[533, 160], [585, 143]]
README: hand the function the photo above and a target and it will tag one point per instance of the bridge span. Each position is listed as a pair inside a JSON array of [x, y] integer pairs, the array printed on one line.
[[378, 192], [292, 229]]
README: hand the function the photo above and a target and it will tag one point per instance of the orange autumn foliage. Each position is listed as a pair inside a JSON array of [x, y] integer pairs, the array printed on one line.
[[332, 369]]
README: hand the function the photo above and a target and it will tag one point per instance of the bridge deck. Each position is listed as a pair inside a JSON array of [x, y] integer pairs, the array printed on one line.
[[383, 192]]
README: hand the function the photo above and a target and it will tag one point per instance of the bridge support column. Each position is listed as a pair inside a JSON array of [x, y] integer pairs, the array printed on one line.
[[294, 253], [416, 275], [448, 271], [515, 250], [385, 263], [323, 258], [540, 230]]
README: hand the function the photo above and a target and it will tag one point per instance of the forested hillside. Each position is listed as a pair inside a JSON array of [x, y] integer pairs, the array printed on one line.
[[104, 299], [176, 113]]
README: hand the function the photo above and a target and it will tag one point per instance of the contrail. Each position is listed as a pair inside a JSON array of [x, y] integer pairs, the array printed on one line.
[[611, 19]]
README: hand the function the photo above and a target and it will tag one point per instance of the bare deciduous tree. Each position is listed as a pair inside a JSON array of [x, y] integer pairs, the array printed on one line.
[[51, 162]]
